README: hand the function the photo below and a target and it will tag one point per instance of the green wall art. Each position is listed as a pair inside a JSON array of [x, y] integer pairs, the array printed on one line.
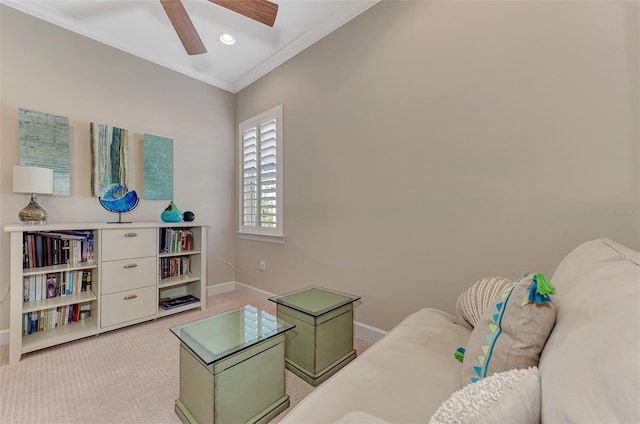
[[158, 167], [109, 157], [44, 143]]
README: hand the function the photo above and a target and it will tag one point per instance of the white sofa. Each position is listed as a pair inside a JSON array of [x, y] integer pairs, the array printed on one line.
[[589, 368]]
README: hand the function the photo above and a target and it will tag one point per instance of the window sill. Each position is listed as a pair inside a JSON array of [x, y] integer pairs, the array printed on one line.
[[262, 237]]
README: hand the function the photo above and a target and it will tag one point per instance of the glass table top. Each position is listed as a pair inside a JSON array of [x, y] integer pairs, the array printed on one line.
[[314, 301], [219, 336]]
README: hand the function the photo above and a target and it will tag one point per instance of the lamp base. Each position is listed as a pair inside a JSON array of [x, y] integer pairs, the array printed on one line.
[[33, 212]]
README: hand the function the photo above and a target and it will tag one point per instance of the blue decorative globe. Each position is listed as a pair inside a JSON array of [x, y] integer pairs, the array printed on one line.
[[117, 199]]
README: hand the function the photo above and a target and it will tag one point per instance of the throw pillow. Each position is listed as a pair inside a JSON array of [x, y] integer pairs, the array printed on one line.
[[478, 297], [507, 397], [512, 331]]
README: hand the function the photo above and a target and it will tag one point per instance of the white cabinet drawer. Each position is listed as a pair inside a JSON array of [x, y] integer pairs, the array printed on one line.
[[128, 243], [118, 308], [128, 274]]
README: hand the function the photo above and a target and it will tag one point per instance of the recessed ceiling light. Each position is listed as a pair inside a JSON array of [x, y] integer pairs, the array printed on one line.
[[227, 39]]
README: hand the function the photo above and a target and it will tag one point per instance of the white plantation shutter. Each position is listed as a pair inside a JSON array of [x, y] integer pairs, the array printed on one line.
[[250, 177], [260, 168], [268, 175]]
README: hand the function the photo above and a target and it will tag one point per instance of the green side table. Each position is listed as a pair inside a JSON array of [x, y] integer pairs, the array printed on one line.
[[232, 368], [322, 341]]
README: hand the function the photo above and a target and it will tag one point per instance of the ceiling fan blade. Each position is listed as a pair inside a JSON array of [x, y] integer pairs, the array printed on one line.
[[184, 27], [262, 11]]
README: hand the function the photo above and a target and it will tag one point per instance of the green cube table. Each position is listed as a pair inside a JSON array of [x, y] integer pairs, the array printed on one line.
[[232, 368], [322, 341]]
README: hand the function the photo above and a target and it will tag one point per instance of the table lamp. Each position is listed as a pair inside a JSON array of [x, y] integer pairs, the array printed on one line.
[[29, 179]]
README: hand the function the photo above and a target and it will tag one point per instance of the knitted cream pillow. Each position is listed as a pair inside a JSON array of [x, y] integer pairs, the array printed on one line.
[[475, 300], [512, 331], [512, 396]]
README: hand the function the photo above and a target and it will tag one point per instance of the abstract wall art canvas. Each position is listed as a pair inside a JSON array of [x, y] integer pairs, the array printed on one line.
[[158, 167], [109, 157], [44, 143]]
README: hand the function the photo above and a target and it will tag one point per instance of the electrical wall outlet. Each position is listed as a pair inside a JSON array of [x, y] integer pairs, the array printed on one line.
[[263, 266]]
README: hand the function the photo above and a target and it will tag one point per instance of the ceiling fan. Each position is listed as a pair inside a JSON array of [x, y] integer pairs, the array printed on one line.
[[262, 11]]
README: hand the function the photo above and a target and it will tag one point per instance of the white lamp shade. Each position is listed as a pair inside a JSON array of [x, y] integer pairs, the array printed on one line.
[[29, 179]]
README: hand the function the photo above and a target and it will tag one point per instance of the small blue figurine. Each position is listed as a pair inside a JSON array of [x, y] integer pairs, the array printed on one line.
[[171, 213]]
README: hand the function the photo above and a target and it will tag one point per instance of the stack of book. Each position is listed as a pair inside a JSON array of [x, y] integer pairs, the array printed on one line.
[[175, 240], [45, 319], [178, 301], [57, 248], [175, 266], [53, 284]]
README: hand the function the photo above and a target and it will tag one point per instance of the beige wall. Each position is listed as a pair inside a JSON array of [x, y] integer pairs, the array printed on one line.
[[429, 144], [48, 69]]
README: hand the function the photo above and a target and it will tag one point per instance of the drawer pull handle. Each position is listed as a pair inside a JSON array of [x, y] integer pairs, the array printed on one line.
[[130, 296], [127, 266], [131, 234]]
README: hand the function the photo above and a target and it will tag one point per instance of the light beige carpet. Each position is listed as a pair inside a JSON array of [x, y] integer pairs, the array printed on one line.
[[129, 375]]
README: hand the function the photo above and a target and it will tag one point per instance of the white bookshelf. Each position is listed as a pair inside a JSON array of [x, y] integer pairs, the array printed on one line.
[[126, 281]]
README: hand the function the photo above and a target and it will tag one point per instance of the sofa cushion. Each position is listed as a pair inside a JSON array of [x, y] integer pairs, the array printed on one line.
[[511, 332], [590, 368], [459, 319], [360, 417], [402, 378], [478, 297], [507, 397]]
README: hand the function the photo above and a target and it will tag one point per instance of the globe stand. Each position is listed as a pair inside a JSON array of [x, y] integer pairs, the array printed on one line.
[[119, 221]]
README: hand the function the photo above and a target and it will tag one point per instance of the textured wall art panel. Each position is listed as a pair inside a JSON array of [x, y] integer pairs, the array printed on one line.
[[44, 143], [109, 157], [158, 167]]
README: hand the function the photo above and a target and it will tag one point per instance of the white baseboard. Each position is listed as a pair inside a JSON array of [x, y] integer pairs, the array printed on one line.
[[221, 288], [367, 333], [254, 292], [4, 337], [361, 330]]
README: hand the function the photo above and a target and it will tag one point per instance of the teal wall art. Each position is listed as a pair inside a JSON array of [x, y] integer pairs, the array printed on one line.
[[158, 167], [109, 157], [44, 142]]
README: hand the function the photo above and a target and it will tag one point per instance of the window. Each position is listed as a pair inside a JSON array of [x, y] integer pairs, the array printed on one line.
[[260, 141]]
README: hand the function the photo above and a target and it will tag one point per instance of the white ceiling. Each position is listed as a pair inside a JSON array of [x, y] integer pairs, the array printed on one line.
[[141, 27]]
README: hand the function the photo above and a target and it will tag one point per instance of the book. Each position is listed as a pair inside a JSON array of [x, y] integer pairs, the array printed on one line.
[[80, 243], [57, 246], [65, 251], [39, 251], [69, 287], [25, 251], [86, 280], [75, 315], [65, 235], [33, 322], [59, 284], [32, 288], [48, 251], [32, 250], [52, 282], [165, 268], [178, 301], [163, 242], [38, 295], [25, 284]]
